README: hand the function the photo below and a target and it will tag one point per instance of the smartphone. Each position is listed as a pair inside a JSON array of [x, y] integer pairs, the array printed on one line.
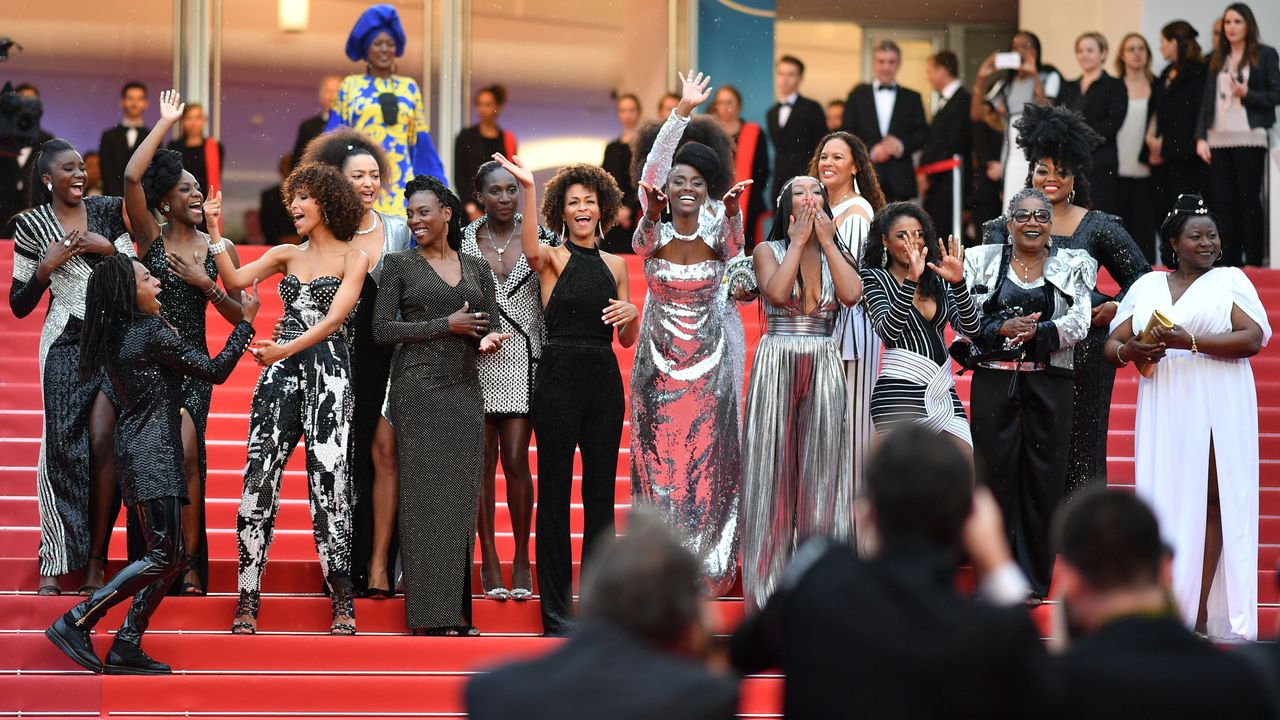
[[1008, 61]]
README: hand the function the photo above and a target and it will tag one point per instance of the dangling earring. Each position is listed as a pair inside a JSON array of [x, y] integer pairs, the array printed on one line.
[[1071, 196], [49, 185], [884, 259], [600, 229], [325, 215], [564, 234]]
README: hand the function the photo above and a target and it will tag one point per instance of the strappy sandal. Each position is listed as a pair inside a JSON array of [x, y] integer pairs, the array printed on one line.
[[88, 588], [192, 589], [342, 628], [521, 594], [246, 620], [49, 590], [344, 606]]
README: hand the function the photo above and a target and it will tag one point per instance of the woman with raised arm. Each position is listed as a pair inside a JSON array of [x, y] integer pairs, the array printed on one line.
[[57, 243], [796, 473], [686, 383], [177, 255], [577, 398], [305, 386]]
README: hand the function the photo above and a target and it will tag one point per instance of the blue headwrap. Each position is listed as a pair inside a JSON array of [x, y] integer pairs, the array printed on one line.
[[378, 18]]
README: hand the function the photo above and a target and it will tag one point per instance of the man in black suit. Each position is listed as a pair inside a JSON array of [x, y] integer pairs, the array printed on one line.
[[312, 127], [796, 124], [117, 144], [889, 119], [890, 636], [950, 134], [637, 653], [1129, 654]]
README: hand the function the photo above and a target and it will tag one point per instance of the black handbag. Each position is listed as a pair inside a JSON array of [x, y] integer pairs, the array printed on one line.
[[969, 353]]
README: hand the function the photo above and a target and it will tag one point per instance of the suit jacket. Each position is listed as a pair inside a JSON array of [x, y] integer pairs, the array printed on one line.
[[1259, 103], [794, 144], [1176, 106], [951, 132], [907, 123], [602, 672], [308, 130], [1104, 106], [890, 637], [114, 152], [1154, 667]]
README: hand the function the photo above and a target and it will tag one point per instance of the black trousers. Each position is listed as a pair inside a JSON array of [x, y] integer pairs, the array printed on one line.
[[146, 579], [1134, 196], [1021, 423], [1236, 178], [577, 402]]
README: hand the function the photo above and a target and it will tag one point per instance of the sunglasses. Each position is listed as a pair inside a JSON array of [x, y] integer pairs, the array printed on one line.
[[1024, 216]]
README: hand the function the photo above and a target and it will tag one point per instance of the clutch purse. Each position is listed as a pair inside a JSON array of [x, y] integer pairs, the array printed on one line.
[[1158, 319], [740, 274]]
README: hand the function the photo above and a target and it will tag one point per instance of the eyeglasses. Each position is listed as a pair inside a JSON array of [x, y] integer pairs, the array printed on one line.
[[1024, 216]]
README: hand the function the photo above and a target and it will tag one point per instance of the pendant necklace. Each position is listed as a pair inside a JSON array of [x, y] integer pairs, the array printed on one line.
[[488, 233]]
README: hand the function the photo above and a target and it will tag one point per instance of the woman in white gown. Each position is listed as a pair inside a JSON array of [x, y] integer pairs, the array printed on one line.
[[1196, 449], [843, 166]]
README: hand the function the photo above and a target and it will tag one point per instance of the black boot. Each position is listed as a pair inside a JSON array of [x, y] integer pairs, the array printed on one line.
[[126, 658], [74, 642]]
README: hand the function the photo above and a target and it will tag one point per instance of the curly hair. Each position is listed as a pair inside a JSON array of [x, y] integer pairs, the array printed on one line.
[[161, 176], [590, 176], [701, 129], [1185, 207], [445, 196], [341, 208], [334, 147], [867, 181], [1060, 134], [874, 255]]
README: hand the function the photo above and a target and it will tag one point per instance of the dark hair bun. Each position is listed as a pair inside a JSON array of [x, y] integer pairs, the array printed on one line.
[[700, 158], [161, 175], [1189, 203]]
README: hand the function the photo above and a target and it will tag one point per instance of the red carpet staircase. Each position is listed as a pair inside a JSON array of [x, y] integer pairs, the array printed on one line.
[[292, 668]]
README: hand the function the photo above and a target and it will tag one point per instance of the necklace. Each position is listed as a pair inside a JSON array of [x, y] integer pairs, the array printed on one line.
[[1026, 269], [488, 233], [686, 238], [372, 227]]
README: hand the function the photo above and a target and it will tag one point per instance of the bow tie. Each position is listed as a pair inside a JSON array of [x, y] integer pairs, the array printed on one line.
[[784, 103], [887, 88]]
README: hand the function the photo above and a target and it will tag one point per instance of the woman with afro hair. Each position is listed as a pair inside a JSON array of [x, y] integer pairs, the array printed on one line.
[[1059, 145], [577, 397], [177, 254], [305, 387], [686, 383]]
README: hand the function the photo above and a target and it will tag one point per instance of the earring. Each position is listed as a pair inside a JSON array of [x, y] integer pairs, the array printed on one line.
[[600, 229], [164, 209], [49, 185], [325, 215], [564, 234], [1071, 196], [884, 259]]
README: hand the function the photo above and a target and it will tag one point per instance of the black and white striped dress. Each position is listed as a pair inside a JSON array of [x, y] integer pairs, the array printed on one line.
[[915, 382]]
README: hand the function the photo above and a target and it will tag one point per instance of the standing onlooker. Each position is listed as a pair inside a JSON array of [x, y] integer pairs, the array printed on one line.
[[1102, 100], [666, 104], [273, 216], [1127, 656], [751, 156], [476, 145], [201, 156], [1175, 103], [889, 118], [118, 143], [796, 123], [950, 134], [617, 162], [92, 174], [835, 115], [16, 167], [1237, 108], [311, 128], [1133, 181]]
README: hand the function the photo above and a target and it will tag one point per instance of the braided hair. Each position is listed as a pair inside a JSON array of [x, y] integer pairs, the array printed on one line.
[[161, 176], [1060, 134], [112, 300], [40, 194], [700, 129], [874, 255], [1185, 207], [445, 196]]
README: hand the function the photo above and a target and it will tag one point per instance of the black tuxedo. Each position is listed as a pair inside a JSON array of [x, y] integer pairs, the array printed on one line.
[[602, 672], [308, 130], [1154, 667], [890, 637], [114, 152], [907, 123], [794, 143], [950, 134]]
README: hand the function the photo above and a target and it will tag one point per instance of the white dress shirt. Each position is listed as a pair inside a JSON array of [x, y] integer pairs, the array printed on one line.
[[884, 104], [784, 111], [131, 133], [945, 96]]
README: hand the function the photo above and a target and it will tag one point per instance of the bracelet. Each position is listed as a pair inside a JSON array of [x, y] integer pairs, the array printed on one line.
[[1123, 362], [1194, 350], [217, 248], [215, 294]]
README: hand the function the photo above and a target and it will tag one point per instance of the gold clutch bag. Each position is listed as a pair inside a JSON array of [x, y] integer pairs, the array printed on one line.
[[1158, 319]]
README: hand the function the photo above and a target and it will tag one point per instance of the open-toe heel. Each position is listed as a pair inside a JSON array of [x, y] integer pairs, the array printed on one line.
[[246, 620], [90, 587], [344, 609]]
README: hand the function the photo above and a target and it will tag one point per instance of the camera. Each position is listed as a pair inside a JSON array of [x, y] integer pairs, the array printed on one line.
[[19, 119]]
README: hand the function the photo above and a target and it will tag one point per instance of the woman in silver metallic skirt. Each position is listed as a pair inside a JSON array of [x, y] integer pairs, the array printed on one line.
[[797, 479]]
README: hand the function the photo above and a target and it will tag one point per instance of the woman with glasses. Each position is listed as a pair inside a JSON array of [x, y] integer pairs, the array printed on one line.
[[386, 107]]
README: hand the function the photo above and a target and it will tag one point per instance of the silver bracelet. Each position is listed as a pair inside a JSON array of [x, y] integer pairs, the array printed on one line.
[[218, 248], [1123, 362]]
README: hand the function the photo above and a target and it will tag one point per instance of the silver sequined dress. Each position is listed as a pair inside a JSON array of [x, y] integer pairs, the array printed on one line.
[[796, 479], [686, 382]]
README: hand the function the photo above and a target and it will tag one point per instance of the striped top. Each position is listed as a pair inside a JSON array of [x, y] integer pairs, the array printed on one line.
[[899, 323]]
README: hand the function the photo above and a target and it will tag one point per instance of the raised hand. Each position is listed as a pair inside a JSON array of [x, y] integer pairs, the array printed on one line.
[[493, 342], [213, 208], [656, 201], [951, 266], [469, 324], [522, 174], [823, 226], [695, 91], [250, 302], [619, 312], [915, 261], [731, 198], [171, 106]]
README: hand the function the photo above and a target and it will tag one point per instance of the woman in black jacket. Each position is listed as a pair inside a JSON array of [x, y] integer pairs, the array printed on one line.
[[1175, 110], [1103, 100], [1237, 109]]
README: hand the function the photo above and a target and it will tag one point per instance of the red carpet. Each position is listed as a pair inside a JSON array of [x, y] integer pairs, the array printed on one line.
[[291, 668]]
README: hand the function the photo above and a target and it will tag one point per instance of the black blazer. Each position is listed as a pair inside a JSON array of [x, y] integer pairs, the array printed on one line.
[[1104, 106], [1259, 103], [1176, 106], [898, 176], [794, 144], [952, 130], [114, 152], [308, 130], [1155, 668], [890, 637], [602, 672]]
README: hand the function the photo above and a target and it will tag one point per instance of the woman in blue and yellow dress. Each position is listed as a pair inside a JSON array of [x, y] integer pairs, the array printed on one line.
[[386, 107]]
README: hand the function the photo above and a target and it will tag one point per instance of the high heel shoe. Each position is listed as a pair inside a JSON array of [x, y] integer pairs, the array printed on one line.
[[344, 607], [499, 593], [521, 594], [246, 620]]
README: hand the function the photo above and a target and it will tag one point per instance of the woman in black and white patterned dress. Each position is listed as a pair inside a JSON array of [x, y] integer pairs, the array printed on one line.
[[506, 376]]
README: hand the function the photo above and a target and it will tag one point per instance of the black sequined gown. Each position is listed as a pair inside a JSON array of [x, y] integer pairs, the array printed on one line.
[[1104, 238]]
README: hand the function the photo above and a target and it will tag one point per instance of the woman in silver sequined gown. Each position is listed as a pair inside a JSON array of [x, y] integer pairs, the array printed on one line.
[[795, 464], [686, 382]]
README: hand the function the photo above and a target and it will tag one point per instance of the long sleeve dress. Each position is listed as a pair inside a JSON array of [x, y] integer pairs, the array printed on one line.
[[62, 472], [437, 404], [1193, 404], [686, 382]]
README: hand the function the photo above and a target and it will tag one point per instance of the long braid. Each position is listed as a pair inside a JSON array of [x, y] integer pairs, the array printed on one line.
[[110, 301]]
